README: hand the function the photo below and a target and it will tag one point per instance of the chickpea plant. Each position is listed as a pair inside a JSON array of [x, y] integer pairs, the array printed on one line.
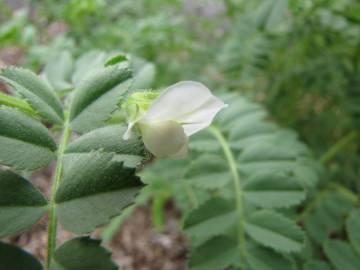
[[238, 187], [94, 176]]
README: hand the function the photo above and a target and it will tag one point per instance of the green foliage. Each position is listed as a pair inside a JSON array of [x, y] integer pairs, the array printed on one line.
[[109, 139], [58, 70], [299, 58], [94, 178], [94, 189], [20, 133], [40, 96], [236, 174], [97, 98], [20, 202], [342, 255], [82, 254], [15, 258]]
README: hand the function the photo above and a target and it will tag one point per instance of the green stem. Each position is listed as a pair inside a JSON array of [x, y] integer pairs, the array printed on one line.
[[52, 227], [337, 147], [18, 103], [238, 191]]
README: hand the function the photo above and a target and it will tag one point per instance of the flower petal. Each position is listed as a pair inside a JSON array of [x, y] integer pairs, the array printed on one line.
[[189, 103], [163, 138]]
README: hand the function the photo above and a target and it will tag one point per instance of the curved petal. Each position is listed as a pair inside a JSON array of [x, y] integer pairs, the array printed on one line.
[[189, 103], [163, 138]]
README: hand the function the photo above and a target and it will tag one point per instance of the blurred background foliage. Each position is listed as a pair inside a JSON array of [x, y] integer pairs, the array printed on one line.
[[300, 58]]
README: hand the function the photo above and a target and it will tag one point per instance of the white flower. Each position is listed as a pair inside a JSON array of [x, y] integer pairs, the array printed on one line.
[[178, 112]]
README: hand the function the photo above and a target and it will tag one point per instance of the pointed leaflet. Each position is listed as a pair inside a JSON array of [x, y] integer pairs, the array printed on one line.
[[82, 254], [21, 204], [58, 70], [36, 92], [217, 253], [273, 190], [14, 258], [215, 217], [109, 139], [342, 255], [260, 258], [88, 64], [97, 97], [94, 189], [274, 230], [208, 172], [25, 143]]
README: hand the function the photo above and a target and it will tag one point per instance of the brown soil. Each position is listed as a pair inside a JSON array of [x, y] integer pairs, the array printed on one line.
[[138, 245]]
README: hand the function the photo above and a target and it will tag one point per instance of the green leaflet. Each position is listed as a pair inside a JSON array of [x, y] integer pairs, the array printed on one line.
[[217, 253], [14, 258], [109, 139], [58, 70], [269, 190], [36, 92], [342, 255], [215, 217], [87, 64], [274, 230], [94, 189], [21, 204], [260, 258], [208, 172], [82, 254], [97, 97], [21, 134]]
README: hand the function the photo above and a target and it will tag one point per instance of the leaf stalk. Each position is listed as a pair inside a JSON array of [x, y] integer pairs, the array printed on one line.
[[52, 227]]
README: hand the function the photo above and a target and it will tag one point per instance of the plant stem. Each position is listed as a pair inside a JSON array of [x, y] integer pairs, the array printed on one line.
[[52, 227], [337, 147], [18, 103], [238, 191]]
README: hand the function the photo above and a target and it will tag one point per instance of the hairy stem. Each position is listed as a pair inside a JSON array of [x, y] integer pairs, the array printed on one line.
[[52, 227], [238, 191], [337, 147], [18, 103]]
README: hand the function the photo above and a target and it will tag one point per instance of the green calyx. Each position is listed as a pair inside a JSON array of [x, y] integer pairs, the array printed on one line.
[[138, 103]]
